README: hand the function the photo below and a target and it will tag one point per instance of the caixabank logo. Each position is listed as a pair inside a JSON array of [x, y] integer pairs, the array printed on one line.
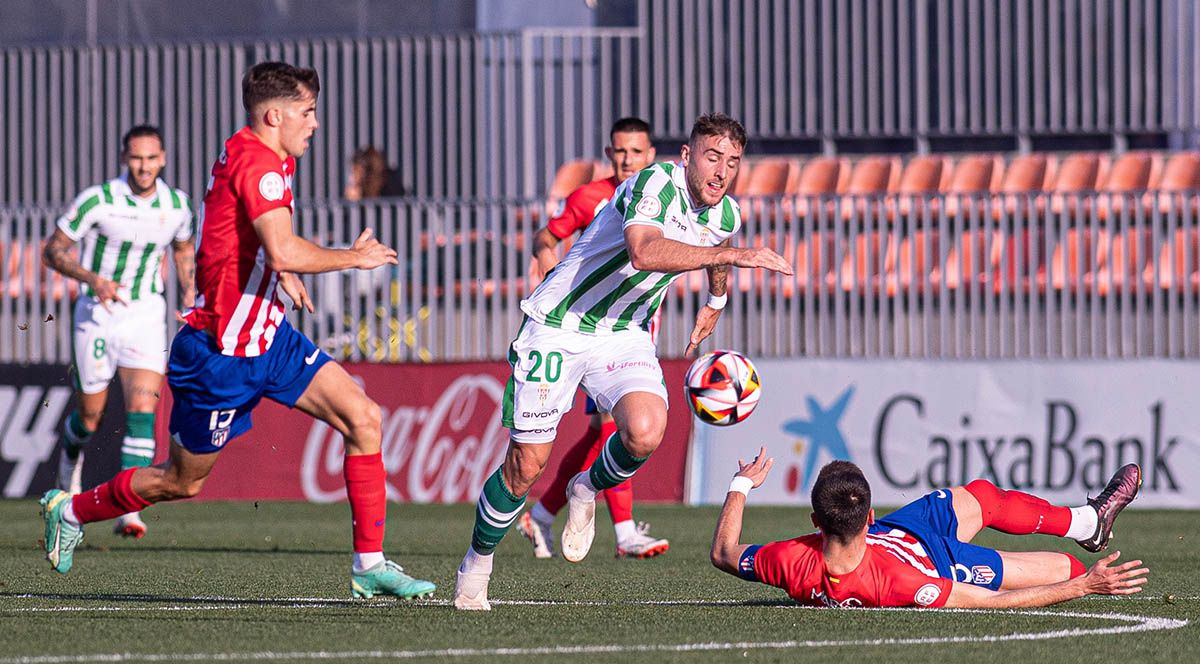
[[818, 439]]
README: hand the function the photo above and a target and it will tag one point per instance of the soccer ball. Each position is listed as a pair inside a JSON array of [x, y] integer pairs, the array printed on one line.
[[722, 387]]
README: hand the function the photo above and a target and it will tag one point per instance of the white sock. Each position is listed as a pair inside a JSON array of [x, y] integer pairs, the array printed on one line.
[[541, 514], [584, 487], [476, 562], [365, 561], [626, 530], [68, 514], [1083, 523]]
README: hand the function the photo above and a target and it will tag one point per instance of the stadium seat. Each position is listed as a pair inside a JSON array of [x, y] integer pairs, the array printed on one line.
[[769, 177], [1080, 173], [818, 177], [974, 176], [1180, 175], [1131, 174], [922, 176], [570, 176], [869, 180]]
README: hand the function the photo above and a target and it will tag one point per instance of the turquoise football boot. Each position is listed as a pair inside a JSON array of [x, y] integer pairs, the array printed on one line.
[[61, 537], [388, 578]]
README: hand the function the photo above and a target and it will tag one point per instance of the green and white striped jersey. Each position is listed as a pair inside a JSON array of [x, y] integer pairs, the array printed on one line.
[[595, 289], [124, 237]]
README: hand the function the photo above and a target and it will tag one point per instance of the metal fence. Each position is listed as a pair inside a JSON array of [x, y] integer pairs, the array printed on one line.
[[493, 115], [923, 68], [1066, 276]]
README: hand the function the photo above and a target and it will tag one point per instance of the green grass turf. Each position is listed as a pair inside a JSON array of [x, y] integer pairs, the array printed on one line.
[[159, 596]]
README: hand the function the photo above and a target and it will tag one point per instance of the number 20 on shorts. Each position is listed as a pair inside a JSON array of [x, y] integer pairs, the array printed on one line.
[[551, 366]]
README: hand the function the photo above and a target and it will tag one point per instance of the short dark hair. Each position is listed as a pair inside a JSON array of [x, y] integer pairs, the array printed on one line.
[[718, 124], [140, 131], [841, 500], [629, 125], [266, 81]]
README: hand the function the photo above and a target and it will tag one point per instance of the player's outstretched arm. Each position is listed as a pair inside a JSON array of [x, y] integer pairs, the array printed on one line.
[[709, 314], [727, 548], [1103, 578], [649, 250], [59, 255], [288, 252]]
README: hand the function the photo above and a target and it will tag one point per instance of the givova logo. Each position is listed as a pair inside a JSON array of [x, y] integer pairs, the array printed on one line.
[[821, 431]]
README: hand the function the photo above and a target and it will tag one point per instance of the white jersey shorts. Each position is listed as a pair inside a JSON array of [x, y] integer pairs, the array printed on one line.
[[549, 364], [132, 335]]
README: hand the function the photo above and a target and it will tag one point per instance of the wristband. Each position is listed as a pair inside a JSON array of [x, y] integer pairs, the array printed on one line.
[[741, 484], [717, 301]]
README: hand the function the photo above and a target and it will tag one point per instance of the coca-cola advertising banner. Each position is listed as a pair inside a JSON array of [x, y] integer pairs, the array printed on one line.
[[442, 437], [1057, 429]]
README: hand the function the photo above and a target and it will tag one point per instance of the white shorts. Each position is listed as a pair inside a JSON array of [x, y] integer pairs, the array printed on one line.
[[132, 335], [549, 364]]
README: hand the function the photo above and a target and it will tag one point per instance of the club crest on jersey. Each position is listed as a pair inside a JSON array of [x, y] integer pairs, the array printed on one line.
[[219, 437], [927, 594], [982, 575], [543, 392], [271, 186], [649, 206]]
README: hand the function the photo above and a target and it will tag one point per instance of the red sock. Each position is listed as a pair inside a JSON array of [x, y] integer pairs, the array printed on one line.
[[365, 478], [556, 494], [1018, 513], [109, 500], [1077, 568], [619, 497]]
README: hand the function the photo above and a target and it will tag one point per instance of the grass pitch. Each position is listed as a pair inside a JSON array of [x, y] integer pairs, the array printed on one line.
[[270, 581]]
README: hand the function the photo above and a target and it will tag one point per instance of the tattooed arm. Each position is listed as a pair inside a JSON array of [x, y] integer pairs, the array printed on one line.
[[59, 255], [185, 269]]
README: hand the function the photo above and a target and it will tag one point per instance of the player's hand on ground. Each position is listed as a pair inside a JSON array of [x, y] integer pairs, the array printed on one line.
[[1105, 578], [294, 287], [106, 291], [706, 322], [372, 254], [757, 469], [764, 258]]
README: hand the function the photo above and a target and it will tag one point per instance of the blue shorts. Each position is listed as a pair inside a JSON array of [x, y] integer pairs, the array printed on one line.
[[932, 521], [213, 394], [590, 406]]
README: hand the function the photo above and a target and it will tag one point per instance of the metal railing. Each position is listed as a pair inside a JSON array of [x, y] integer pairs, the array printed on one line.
[[493, 115], [1048, 276]]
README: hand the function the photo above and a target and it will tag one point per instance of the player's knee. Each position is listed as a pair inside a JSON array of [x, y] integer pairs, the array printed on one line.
[[643, 432], [367, 415], [521, 472]]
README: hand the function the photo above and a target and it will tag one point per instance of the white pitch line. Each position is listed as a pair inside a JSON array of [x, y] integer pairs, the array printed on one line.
[[1132, 624]]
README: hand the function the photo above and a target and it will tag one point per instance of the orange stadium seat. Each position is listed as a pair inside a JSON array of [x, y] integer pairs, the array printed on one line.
[[1131, 174], [1180, 175], [923, 175], [974, 175], [769, 177], [818, 177]]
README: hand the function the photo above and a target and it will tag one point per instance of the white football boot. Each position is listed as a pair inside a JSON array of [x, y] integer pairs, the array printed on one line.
[[470, 590], [541, 535], [130, 525], [642, 545], [580, 528]]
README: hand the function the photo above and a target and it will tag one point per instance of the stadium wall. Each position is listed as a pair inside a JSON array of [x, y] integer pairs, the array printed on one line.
[[1056, 428], [441, 438]]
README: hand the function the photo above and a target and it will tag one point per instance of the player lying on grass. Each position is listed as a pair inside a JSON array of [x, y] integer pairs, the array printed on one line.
[[920, 555]]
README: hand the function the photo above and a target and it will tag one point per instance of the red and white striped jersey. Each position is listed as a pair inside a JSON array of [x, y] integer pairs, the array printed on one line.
[[236, 300], [895, 571]]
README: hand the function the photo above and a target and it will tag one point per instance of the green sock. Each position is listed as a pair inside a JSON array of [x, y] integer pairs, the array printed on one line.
[[137, 450], [75, 435], [614, 464], [497, 510]]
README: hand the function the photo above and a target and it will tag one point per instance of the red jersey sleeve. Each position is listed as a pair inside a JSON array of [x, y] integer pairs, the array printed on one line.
[[575, 216], [260, 186], [906, 586], [771, 563]]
